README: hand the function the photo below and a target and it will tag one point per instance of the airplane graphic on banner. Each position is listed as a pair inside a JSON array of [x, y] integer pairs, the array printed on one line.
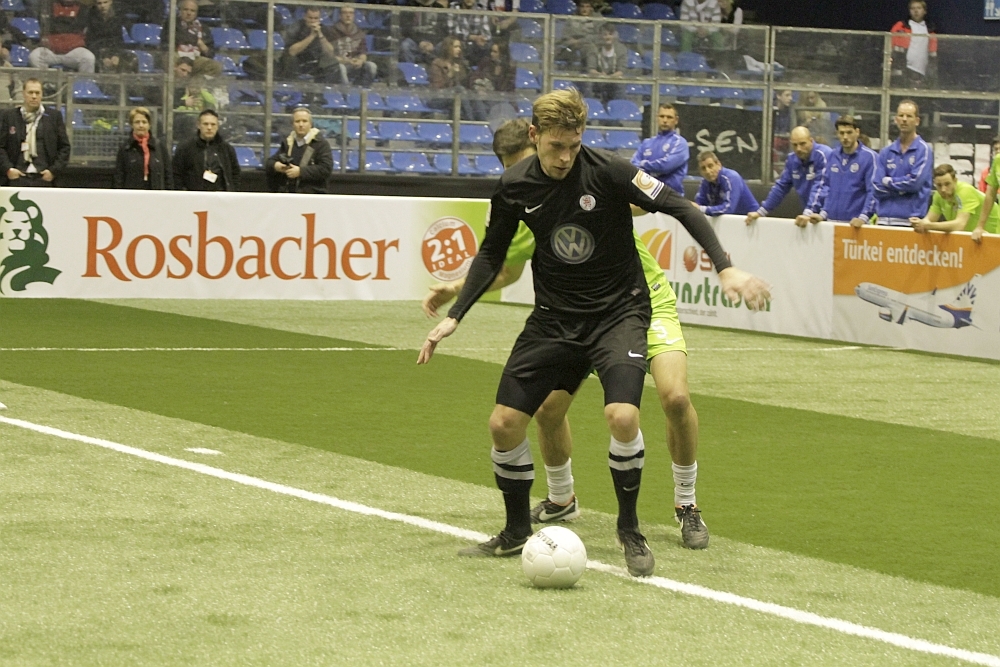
[[897, 307]]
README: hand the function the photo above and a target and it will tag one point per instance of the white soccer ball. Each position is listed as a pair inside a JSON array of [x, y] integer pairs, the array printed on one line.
[[554, 557]]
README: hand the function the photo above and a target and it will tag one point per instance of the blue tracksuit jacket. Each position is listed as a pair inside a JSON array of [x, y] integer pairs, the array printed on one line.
[[847, 186], [804, 176], [666, 157], [902, 182], [728, 195]]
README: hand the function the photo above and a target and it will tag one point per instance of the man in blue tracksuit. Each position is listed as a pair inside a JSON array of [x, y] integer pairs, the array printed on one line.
[[723, 191], [666, 155], [846, 193], [803, 170], [903, 180]]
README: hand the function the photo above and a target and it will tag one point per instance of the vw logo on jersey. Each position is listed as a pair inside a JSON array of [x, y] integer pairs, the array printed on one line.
[[572, 244], [854, 168], [588, 202]]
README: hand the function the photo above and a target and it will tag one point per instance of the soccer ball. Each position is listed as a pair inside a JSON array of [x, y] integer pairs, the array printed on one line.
[[554, 557]]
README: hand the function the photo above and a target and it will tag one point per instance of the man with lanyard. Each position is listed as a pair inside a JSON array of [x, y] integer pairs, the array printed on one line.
[[206, 162], [803, 170], [846, 191], [902, 177], [592, 307], [36, 147], [666, 155], [955, 206]]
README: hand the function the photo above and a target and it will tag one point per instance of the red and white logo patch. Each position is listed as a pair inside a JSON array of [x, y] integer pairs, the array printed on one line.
[[588, 202]]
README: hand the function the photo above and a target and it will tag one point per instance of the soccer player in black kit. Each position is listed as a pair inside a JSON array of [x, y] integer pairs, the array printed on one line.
[[592, 306]]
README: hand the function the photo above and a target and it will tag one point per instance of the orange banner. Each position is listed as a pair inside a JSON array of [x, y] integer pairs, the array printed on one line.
[[907, 261]]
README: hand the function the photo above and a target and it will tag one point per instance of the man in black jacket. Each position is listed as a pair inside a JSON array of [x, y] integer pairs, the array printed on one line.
[[206, 161], [303, 161], [34, 147]]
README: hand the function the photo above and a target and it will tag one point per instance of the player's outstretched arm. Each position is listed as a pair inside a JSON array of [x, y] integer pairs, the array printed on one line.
[[438, 295], [738, 284], [445, 328]]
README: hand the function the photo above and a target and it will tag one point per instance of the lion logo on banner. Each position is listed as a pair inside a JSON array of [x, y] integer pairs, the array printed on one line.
[[23, 246]]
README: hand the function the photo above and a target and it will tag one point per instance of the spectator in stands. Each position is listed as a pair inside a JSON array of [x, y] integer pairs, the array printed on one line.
[[731, 12], [902, 178], [700, 11], [196, 96], [914, 48], [846, 193], [104, 26], [35, 147], [143, 163], [495, 73], [303, 162], [450, 72], [607, 58], [811, 115], [955, 206], [194, 41], [422, 31], [206, 161], [666, 155], [803, 171], [994, 151], [65, 45], [782, 125], [472, 29], [310, 50], [350, 50], [723, 192], [578, 37]]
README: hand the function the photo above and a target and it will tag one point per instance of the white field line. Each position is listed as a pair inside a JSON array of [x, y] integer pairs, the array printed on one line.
[[789, 613], [376, 349]]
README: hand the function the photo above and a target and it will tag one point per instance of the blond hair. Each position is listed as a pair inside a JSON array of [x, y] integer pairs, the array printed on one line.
[[563, 109], [140, 111]]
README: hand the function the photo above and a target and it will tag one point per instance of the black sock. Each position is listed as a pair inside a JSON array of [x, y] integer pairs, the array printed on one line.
[[517, 502], [627, 490]]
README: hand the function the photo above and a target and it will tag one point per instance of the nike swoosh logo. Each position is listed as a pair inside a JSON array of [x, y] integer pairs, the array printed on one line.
[[532, 210], [633, 354], [624, 488], [500, 551], [671, 341]]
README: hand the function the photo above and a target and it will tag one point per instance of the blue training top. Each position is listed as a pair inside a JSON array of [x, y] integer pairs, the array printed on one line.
[[728, 195], [666, 157]]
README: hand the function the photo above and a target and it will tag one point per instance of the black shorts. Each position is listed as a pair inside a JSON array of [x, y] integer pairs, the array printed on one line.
[[558, 352]]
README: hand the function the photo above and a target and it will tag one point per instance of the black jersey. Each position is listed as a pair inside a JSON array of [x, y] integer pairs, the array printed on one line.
[[585, 260]]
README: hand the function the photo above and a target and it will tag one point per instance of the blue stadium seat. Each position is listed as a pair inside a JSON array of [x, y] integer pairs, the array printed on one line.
[[147, 34], [245, 97], [127, 38], [336, 159], [442, 162], [688, 61], [395, 130], [354, 130], [595, 110], [87, 89], [411, 103], [332, 99], [533, 7], [282, 15], [11, 6], [375, 101], [562, 84], [524, 108], [415, 163], [594, 139], [668, 38], [230, 67], [145, 60], [658, 12], [19, 55], [625, 10], [413, 73], [29, 27], [286, 95], [564, 7], [434, 133], [247, 157], [257, 39], [643, 89], [633, 60], [694, 91], [668, 90], [525, 79], [530, 29], [524, 53], [78, 121], [622, 139], [475, 133], [667, 61], [489, 165], [374, 161], [628, 33], [229, 38], [624, 110], [728, 94]]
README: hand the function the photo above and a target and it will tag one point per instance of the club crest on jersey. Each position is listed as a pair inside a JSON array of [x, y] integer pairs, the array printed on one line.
[[572, 244], [648, 185], [588, 202], [854, 168]]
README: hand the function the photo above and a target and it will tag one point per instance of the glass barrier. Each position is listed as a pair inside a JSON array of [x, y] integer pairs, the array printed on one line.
[[828, 57]]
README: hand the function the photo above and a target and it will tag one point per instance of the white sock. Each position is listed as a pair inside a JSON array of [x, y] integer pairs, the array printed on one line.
[[633, 452], [684, 479], [515, 464], [560, 480]]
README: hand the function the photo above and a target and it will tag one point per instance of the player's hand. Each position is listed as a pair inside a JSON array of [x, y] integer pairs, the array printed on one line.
[[445, 328], [637, 211], [48, 176], [977, 235], [752, 217], [439, 294], [857, 223], [737, 284], [815, 218], [14, 173], [801, 220], [918, 225]]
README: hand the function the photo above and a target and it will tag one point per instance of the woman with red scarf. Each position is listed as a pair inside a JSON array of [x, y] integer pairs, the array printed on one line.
[[142, 163]]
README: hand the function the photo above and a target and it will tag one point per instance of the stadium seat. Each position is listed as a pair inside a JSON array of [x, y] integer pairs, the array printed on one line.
[[622, 139], [525, 80], [643, 89], [230, 67], [442, 163], [332, 99], [595, 110], [88, 90], [594, 139], [245, 97], [374, 161], [694, 91], [530, 29], [633, 60], [406, 103], [282, 15], [475, 133], [147, 34], [562, 84], [11, 6], [668, 38], [434, 133], [413, 73], [489, 165], [395, 130], [127, 38], [524, 53], [247, 157], [564, 7], [624, 110], [625, 10], [667, 61], [29, 27], [728, 94], [658, 12], [78, 122], [336, 159], [19, 55], [354, 130], [668, 90], [690, 62], [257, 39], [533, 7], [286, 96], [524, 108], [375, 102], [229, 38], [145, 61], [628, 33], [415, 163]]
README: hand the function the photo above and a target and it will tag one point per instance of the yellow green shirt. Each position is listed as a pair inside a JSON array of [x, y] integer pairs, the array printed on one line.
[[967, 198], [993, 178]]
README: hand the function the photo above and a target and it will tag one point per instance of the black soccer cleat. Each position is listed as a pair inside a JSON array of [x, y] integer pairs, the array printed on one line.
[[549, 512], [694, 532], [638, 558], [502, 546]]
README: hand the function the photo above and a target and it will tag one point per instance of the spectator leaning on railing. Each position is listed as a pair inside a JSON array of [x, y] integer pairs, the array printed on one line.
[[846, 193], [803, 171], [902, 178], [723, 192], [34, 147], [955, 206], [143, 163]]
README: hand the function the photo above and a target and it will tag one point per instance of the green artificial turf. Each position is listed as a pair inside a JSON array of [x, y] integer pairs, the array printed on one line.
[[899, 500]]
